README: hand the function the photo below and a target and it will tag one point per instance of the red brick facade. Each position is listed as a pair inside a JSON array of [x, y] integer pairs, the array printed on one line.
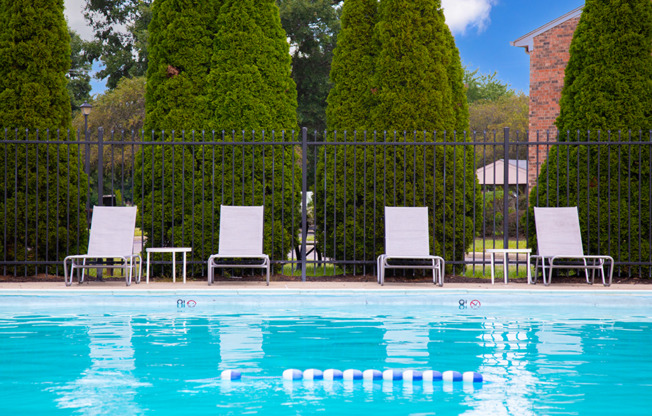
[[548, 48], [548, 61]]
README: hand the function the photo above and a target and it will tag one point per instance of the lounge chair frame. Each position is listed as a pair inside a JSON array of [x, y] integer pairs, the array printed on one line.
[[241, 237], [407, 238], [111, 237], [559, 243]]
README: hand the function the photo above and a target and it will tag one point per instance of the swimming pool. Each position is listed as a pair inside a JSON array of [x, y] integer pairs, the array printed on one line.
[[161, 352]]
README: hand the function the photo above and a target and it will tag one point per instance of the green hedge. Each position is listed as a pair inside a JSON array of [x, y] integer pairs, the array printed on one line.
[[607, 93], [45, 216], [355, 183], [181, 206]]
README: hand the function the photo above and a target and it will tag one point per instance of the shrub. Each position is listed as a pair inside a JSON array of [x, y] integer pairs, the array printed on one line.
[[43, 217], [607, 93], [241, 89], [418, 96]]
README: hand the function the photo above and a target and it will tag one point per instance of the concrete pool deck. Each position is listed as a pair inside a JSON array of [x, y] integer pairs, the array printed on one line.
[[245, 285]]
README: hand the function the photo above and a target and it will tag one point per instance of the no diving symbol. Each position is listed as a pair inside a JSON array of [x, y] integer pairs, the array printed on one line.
[[474, 304], [182, 303]]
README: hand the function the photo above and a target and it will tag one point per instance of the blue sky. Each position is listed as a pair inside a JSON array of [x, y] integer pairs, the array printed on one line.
[[488, 47], [483, 31]]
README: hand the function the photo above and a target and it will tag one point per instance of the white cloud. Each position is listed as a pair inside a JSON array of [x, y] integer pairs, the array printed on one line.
[[74, 11], [464, 14]]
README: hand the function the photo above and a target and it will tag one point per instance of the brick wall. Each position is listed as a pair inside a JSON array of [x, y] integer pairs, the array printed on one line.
[[548, 60]]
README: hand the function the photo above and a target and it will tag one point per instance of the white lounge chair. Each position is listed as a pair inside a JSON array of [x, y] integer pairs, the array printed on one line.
[[241, 237], [407, 238], [559, 238], [111, 237]]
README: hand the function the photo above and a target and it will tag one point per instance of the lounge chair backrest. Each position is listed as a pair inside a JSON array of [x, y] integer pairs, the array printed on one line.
[[558, 232], [112, 231], [241, 231], [406, 231]]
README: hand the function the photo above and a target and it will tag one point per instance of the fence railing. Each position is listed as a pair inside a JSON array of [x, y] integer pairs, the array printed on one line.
[[324, 192]]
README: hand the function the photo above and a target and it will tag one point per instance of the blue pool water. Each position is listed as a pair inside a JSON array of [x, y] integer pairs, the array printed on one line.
[[161, 353]]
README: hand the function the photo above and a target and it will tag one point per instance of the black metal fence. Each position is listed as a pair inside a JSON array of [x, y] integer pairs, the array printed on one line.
[[323, 191]]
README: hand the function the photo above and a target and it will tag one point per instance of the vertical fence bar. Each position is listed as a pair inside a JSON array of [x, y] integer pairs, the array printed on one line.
[[100, 166], [506, 191], [304, 200]]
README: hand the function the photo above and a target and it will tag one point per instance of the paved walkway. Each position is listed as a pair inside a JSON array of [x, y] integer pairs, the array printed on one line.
[[202, 285]]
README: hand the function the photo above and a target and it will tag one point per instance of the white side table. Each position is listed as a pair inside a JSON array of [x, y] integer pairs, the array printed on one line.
[[505, 252], [174, 251]]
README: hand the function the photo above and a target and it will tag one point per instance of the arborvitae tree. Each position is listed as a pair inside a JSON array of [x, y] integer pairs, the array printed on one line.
[[418, 95], [44, 196], [414, 91], [607, 96], [181, 47], [352, 70], [253, 98], [177, 108], [250, 82], [223, 66]]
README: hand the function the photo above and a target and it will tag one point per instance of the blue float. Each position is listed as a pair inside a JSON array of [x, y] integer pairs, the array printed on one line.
[[313, 374], [389, 375], [332, 374], [230, 375], [451, 376], [372, 375], [412, 375], [472, 377], [292, 374], [352, 374], [431, 375]]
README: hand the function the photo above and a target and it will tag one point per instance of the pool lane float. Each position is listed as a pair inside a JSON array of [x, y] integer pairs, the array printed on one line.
[[371, 374], [230, 375], [313, 374], [412, 375], [390, 375], [472, 377], [431, 375], [332, 374], [451, 376], [352, 374], [292, 374]]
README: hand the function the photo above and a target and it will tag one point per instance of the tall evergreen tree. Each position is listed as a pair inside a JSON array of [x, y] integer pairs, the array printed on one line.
[[35, 57], [414, 90], [607, 96], [253, 98], [181, 47], [250, 82], [44, 194], [177, 107], [352, 70], [417, 94], [224, 66]]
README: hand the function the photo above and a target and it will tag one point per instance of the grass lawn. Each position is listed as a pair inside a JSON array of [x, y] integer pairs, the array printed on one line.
[[485, 272], [313, 270], [489, 242]]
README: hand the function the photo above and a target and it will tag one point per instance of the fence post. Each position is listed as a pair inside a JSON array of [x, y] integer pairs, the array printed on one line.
[[304, 200], [100, 166], [506, 191]]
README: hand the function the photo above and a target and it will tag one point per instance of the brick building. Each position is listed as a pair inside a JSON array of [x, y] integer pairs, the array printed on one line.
[[548, 47]]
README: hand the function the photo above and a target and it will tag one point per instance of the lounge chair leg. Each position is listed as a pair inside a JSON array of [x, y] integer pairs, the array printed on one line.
[[543, 271], [586, 273]]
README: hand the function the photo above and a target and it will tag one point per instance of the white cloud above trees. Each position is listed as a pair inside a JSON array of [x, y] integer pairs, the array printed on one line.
[[462, 15]]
